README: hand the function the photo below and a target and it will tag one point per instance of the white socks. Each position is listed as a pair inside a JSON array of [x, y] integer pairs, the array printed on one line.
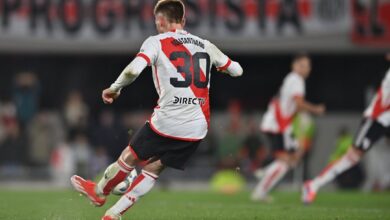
[[273, 174], [141, 185], [114, 174], [334, 169]]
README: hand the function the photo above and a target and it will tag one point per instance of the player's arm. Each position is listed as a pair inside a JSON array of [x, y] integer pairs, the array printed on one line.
[[128, 75], [304, 105], [146, 56], [222, 62]]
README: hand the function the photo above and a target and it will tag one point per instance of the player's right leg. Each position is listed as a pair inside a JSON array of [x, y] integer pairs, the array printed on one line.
[[113, 175], [310, 188], [160, 152], [370, 131]]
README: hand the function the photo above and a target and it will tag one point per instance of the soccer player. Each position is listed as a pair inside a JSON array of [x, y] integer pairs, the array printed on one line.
[[181, 64], [375, 122], [277, 125]]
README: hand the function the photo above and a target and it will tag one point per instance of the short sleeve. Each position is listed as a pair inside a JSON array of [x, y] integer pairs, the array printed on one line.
[[218, 58], [149, 50]]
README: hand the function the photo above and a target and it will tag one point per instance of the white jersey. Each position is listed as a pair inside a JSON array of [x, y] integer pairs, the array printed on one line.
[[282, 108], [379, 108], [181, 64]]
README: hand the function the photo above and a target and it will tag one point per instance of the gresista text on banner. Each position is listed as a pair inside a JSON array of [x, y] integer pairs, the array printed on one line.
[[120, 25]]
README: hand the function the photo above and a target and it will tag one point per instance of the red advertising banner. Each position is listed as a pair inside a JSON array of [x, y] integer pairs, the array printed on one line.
[[371, 24], [237, 25]]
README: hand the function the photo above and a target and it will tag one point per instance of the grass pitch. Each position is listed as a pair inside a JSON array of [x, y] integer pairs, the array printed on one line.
[[68, 205]]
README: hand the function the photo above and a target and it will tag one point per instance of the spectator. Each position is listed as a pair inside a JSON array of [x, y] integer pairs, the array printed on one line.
[[76, 112], [44, 132], [13, 147], [63, 164], [82, 151], [343, 143], [26, 96], [230, 142], [12, 141], [99, 161], [229, 146], [109, 135], [7, 115], [2, 132], [253, 151]]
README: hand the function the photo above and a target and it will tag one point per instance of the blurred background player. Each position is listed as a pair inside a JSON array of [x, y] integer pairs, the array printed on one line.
[[277, 125], [375, 123], [181, 65]]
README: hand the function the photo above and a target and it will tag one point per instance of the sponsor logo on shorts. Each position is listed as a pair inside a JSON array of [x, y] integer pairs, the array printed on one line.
[[189, 100]]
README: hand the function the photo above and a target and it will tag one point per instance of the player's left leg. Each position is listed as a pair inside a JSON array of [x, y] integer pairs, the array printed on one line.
[[113, 175], [141, 185], [117, 172]]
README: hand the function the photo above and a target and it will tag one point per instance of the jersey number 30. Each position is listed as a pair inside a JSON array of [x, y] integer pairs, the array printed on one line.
[[186, 72]]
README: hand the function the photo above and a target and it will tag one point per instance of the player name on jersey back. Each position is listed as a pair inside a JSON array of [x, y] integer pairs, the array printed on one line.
[[188, 40]]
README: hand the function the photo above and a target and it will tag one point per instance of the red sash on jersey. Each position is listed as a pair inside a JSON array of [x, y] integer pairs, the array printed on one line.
[[168, 47], [282, 121], [378, 108]]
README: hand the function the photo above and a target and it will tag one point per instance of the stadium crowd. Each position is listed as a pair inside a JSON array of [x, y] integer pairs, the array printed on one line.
[[54, 144], [69, 139]]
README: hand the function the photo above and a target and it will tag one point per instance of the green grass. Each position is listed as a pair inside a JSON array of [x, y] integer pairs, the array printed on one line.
[[68, 205]]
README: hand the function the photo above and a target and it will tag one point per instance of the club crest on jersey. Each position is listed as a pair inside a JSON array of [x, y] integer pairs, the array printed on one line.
[[189, 100]]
